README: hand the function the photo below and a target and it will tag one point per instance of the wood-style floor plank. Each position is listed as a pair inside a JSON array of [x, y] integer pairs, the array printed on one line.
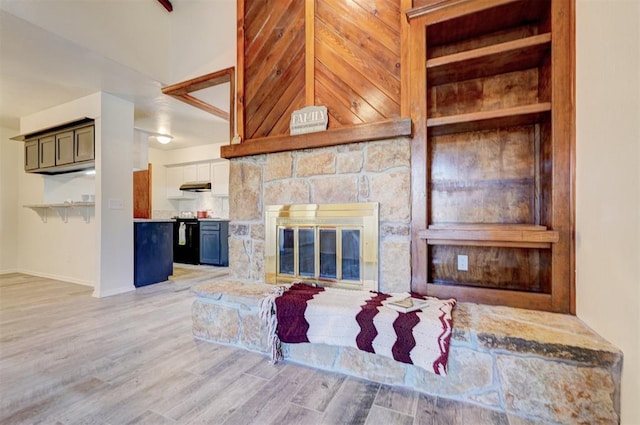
[[67, 358]]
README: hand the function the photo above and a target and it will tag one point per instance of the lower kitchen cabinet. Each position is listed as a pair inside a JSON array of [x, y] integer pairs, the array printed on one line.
[[153, 252], [214, 243]]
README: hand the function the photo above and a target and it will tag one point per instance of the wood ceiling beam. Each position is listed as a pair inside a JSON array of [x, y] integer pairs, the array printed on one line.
[[167, 5]]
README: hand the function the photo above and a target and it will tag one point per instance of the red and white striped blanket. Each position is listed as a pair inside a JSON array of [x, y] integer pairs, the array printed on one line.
[[358, 319]]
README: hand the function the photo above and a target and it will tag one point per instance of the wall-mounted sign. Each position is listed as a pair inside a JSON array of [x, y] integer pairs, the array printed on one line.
[[308, 120]]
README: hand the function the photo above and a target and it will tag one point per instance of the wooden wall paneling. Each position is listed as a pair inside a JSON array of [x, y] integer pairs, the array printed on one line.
[[347, 49], [363, 87], [282, 32], [387, 11], [309, 53], [348, 107], [376, 65], [272, 46], [350, 11], [355, 43], [288, 102], [263, 118]]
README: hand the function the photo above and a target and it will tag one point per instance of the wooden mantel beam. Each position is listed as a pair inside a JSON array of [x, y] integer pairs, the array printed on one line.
[[399, 127]]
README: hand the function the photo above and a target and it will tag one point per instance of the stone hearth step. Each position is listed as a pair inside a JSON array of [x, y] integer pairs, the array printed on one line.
[[543, 367]]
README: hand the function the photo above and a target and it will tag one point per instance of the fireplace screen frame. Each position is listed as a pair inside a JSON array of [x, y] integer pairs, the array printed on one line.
[[361, 216]]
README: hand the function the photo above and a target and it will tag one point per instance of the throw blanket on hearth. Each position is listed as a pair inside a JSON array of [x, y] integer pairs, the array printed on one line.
[[303, 313]]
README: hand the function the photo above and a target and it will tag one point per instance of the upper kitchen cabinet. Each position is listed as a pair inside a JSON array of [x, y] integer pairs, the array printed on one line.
[[64, 148], [216, 172], [220, 178], [46, 152], [175, 177], [31, 157], [84, 147], [197, 172], [61, 149]]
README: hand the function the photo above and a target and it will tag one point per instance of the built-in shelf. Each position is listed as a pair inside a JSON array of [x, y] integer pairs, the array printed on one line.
[[500, 58], [484, 120], [63, 209], [496, 235]]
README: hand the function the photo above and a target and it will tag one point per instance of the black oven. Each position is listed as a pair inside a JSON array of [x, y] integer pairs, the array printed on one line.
[[186, 241]]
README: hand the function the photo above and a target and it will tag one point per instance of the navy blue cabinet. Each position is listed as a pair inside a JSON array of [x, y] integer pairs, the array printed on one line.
[[153, 252], [214, 243]]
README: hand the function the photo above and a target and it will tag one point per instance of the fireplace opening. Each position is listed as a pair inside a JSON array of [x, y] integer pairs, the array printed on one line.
[[325, 244]]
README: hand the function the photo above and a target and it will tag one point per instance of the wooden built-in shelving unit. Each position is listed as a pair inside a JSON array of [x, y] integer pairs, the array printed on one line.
[[491, 103]]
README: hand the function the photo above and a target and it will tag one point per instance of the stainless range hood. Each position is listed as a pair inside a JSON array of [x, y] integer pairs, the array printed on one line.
[[196, 187]]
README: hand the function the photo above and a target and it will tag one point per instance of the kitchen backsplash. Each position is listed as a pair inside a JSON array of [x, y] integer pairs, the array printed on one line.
[[219, 206]]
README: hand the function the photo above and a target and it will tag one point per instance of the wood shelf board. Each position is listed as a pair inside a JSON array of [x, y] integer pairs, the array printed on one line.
[[61, 205], [487, 227], [493, 234], [490, 244], [491, 60], [331, 137], [484, 120]]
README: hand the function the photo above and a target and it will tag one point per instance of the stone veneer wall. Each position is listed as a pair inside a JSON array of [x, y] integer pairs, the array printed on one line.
[[377, 171]]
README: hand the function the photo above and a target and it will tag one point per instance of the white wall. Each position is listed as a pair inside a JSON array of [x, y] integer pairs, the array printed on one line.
[[203, 38], [608, 181], [98, 253], [142, 26], [56, 249], [9, 168], [114, 196]]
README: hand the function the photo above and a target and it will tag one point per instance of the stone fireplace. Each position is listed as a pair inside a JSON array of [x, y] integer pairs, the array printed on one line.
[[530, 365], [366, 172], [324, 244]]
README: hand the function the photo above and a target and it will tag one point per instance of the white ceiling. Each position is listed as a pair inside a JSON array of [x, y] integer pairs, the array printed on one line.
[[39, 70]]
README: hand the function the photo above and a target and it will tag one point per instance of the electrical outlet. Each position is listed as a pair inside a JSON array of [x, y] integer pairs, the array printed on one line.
[[463, 263]]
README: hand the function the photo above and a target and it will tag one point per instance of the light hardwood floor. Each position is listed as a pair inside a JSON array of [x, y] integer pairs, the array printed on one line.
[[68, 358]]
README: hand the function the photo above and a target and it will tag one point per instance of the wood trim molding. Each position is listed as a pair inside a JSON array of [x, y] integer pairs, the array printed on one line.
[[332, 137]]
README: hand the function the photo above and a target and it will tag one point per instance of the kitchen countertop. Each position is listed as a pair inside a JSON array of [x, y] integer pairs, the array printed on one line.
[[153, 220], [213, 219]]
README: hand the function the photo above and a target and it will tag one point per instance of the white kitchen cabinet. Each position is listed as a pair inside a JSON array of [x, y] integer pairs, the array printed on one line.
[[197, 172], [220, 178], [175, 177]]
